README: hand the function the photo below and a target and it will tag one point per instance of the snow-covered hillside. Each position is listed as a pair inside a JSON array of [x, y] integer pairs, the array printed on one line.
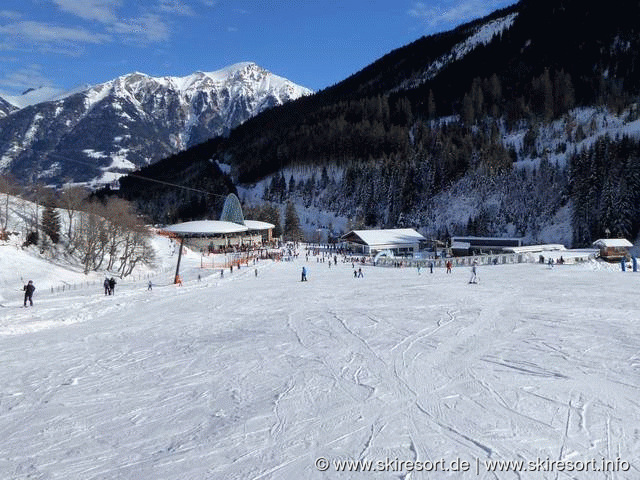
[[482, 35], [52, 265], [265, 377], [529, 202], [101, 132], [573, 133]]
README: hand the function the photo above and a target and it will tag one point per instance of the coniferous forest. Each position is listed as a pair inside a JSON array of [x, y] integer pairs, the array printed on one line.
[[397, 140]]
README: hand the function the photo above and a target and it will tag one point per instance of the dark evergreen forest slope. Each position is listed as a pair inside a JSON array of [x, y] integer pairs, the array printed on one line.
[[383, 127]]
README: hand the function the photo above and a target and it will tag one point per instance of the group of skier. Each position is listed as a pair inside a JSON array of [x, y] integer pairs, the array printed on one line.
[[449, 266], [109, 286], [29, 288]]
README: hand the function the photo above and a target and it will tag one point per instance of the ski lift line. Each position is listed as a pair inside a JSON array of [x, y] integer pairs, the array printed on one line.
[[176, 185], [162, 182]]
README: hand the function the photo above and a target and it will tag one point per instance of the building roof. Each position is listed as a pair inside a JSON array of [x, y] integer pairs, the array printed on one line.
[[548, 247], [205, 227], [461, 238], [612, 242], [258, 225], [385, 237]]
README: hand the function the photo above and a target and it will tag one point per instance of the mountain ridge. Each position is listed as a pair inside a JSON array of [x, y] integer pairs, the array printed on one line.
[[131, 121], [397, 151]]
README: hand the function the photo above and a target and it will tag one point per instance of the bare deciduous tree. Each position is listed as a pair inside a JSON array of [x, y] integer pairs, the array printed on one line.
[[71, 201], [9, 188]]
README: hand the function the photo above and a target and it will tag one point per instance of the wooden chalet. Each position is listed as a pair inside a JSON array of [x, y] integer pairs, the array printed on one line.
[[613, 249]]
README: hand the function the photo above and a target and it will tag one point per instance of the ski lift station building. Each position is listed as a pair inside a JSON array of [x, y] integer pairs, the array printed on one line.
[[399, 241], [463, 246], [231, 230]]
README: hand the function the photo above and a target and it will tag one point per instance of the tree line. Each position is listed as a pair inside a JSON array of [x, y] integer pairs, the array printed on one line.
[[101, 235], [605, 189]]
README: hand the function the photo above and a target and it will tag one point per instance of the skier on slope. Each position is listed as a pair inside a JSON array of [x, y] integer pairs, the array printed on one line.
[[474, 272], [304, 274], [106, 287], [28, 292]]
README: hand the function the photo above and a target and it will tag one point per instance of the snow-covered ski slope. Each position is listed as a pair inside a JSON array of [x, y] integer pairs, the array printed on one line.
[[253, 378]]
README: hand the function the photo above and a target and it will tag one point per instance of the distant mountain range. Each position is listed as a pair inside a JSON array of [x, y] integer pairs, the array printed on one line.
[[95, 134]]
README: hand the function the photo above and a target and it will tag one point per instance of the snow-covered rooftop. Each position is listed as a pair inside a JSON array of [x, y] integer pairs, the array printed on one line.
[[258, 225], [612, 242], [206, 227], [213, 227], [387, 236], [536, 248]]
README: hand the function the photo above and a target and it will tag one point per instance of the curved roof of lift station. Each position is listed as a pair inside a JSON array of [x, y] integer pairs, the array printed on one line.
[[205, 227], [216, 227]]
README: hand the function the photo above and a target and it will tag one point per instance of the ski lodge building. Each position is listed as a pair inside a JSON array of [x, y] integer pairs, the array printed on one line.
[[613, 249], [399, 241]]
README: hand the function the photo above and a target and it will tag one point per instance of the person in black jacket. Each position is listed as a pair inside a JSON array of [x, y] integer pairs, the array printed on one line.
[[28, 292], [112, 286]]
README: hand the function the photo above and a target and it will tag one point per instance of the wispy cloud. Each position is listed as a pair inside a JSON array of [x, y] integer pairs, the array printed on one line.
[[148, 28], [10, 14], [104, 11], [149, 25], [97, 22], [176, 7], [44, 33], [454, 12], [27, 77]]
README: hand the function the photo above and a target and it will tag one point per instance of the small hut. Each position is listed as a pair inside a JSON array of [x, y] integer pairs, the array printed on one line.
[[613, 249]]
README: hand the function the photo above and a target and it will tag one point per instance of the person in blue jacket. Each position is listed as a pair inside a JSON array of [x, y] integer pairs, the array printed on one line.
[[304, 274]]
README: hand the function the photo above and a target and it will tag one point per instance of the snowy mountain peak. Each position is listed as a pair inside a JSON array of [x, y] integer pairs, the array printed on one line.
[[33, 96], [134, 120], [245, 77], [6, 108]]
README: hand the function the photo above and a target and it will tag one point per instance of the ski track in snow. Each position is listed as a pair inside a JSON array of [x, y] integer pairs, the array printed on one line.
[[255, 377]]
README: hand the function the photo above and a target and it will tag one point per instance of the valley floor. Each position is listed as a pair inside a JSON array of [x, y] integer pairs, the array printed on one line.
[[257, 377]]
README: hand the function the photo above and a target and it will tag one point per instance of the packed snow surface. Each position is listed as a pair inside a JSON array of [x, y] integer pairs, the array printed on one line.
[[256, 377]]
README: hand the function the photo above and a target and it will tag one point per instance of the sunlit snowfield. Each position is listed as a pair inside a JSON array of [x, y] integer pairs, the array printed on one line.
[[256, 377]]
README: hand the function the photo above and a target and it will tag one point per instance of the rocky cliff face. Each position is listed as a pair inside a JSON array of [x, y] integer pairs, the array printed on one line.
[[5, 108], [102, 132]]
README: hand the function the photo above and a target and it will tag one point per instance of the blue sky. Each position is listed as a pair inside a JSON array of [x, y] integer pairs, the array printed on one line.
[[315, 43]]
